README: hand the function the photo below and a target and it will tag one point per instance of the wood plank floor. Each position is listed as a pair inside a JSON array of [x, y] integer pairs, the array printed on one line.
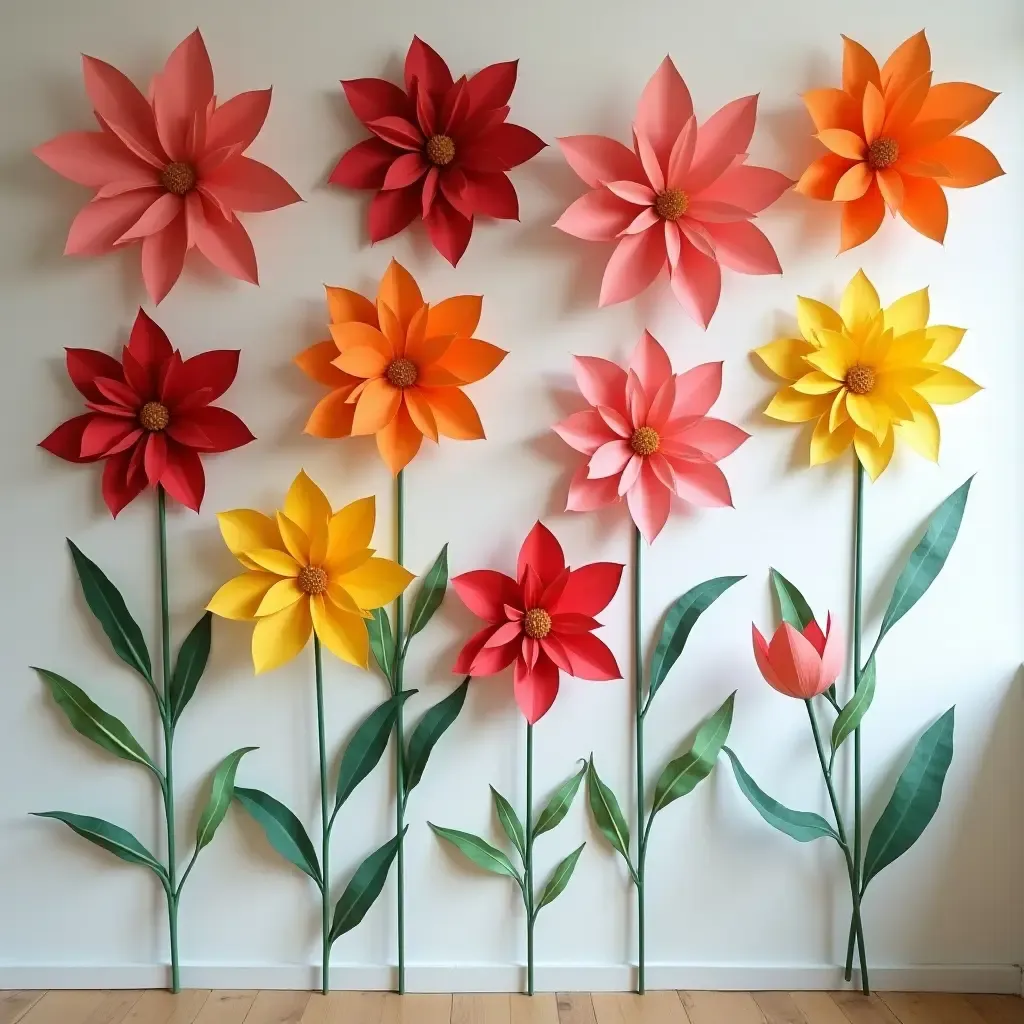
[[202, 1007]]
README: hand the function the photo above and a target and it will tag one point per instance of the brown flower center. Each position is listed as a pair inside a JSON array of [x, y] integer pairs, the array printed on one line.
[[440, 150], [645, 441], [860, 379], [401, 373], [312, 580], [671, 204], [153, 417], [883, 153], [537, 623], [178, 178]]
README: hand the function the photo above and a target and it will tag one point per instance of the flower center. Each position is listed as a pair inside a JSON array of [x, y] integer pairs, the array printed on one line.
[[645, 441], [153, 417], [312, 580], [440, 150], [671, 204], [882, 153], [860, 379], [401, 373], [537, 623], [178, 178]]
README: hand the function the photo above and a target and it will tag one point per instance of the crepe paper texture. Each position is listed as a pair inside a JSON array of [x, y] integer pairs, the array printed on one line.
[[647, 436], [893, 141], [683, 198], [441, 149], [168, 169], [396, 367], [867, 375]]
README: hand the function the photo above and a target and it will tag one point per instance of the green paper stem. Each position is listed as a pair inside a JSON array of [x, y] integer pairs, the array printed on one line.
[[325, 824], [638, 682], [400, 794], [530, 915]]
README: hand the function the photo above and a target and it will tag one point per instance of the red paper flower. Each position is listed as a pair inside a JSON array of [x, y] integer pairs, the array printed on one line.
[[543, 621], [150, 416], [440, 149]]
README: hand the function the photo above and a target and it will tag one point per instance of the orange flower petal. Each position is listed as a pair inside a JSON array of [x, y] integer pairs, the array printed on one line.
[[859, 68], [331, 416], [470, 359], [960, 101], [458, 315], [362, 361], [907, 106], [422, 347], [820, 179], [455, 414], [399, 291], [855, 182], [832, 108], [911, 59], [924, 207], [844, 143], [420, 414], [316, 362], [861, 218], [921, 134], [345, 306], [349, 335], [434, 375], [376, 407], [399, 441], [890, 184], [873, 112], [965, 161], [391, 327]]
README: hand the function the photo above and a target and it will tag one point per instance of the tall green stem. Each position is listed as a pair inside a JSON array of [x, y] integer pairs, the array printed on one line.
[[529, 859], [325, 904], [400, 794], [638, 684]]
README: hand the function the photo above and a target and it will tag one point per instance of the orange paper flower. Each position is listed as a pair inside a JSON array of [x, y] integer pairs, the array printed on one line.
[[892, 140], [396, 369]]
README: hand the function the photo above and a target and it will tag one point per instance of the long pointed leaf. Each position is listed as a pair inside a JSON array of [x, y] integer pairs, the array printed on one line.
[[793, 606], [607, 813], [367, 746], [283, 830], [561, 800], [429, 729], [559, 879], [852, 714], [381, 643], [190, 665], [222, 788], [510, 822], [478, 850], [364, 888], [430, 593]]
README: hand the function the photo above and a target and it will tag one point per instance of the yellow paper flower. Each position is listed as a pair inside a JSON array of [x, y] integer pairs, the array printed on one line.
[[308, 569], [865, 374]]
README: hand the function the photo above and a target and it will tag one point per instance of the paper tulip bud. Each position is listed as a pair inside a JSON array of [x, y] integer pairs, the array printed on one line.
[[800, 664]]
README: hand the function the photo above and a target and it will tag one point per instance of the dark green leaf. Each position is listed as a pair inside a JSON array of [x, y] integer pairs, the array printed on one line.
[[855, 709], [94, 723], [429, 729], [480, 852], [510, 822], [927, 559], [381, 642], [222, 789], [682, 774], [558, 805], [559, 879], [364, 888], [430, 594], [915, 799], [105, 602], [803, 826], [793, 608], [190, 666], [680, 619], [283, 830], [367, 746], [607, 813]]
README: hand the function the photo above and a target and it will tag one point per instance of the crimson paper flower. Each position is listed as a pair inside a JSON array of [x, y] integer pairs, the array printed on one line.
[[440, 149], [149, 416], [542, 620]]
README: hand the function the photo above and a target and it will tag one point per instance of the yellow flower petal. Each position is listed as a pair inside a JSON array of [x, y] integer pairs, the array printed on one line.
[[278, 562], [905, 352], [244, 529], [814, 316], [337, 567], [295, 540], [341, 632], [350, 531], [869, 414], [859, 303], [376, 582], [340, 596], [837, 354], [283, 594], [827, 444], [817, 383], [947, 386], [239, 598], [784, 357], [921, 432], [792, 407], [874, 457], [307, 506], [838, 414], [944, 342], [278, 638], [909, 313], [896, 398]]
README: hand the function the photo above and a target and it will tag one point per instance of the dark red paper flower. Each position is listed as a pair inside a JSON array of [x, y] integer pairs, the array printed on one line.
[[543, 621], [149, 416], [440, 149]]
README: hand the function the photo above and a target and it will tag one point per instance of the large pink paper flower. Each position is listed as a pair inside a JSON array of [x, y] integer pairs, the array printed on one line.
[[168, 170], [647, 436], [682, 197]]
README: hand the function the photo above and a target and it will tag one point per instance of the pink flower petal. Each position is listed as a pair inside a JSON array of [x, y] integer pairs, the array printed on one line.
[[156, 217], [796, 663], [681, 156], [143, 176], [752, 188], [249, 186], [92, 158], [742, 246], [649, 504], [238, 121], [763, 659], [697, 235], [720, 139], [637, 400], [589, 589], [585, 431], [701, 483], [645, 219], [631, 474], [661, 407], [586, 495], [697, 390], [597, 216], [183, 89], [832, 657], [535, 687], [664, 108], [601, 382], [710, 211], [365, 165], [632, 191], [124, 109], [100, 223], [697, 284], [650, 362], [673, 243], [617, 423], [226, 244], [649, 161], [597, 159], [609, 459], [633, 266], [716, 438], [163, 256]]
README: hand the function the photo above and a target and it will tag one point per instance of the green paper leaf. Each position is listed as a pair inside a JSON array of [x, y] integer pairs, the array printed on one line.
[[429, 729], [430, 594], [803, 826], [364, 888], [559, 879], [367, 746], [793, 607], [510, 822], [190, 666], [680, 619], [94, 723], [222, 788], [855, 709], [112, 838], [914, 800], [682, 774], [105, 602], [283, 830], [381, 643], [479, 851], [927, 559], [561, 800], [607, 813]]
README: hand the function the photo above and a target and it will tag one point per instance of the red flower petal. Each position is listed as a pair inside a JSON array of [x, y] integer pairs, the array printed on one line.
[[492, 195], [374, 98], [405, 171], [223, 429], [425, 67], [513, 144], [590, 588], [492, 86], [147, 342], [449, 231], [485, 592], [541, 552], [590, 657], [66, 441], [364, 165], [393, 211], [118, 392], [535, 688], [183, 476], [470, 649], [572, 622], [154, 458], [120, 485], [491, 660], [103, 434], [398, 131], [85, 364], [213, 371]]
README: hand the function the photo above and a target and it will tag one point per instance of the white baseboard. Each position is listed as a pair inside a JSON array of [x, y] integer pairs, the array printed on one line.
[[510, 978]]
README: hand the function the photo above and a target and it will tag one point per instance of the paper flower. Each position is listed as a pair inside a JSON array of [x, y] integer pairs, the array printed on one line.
[[168, 170], [682, 197], [440, 149], [396, 369], [542, 620], [308, 569], [800, 664], [864, 374], [892, 141], [150, 416], [647, 435]]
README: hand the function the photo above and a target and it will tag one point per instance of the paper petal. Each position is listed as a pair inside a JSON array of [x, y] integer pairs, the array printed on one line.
[[697, 284], [597, 159], [485, 592], [585, 494], [163, 256], [589, 589], [725, 134], [633, 266], [664, 108], [752, 188], [535, 687], [649, 503]]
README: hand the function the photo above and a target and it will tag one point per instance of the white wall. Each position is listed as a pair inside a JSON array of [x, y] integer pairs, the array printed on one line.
[[725, 889]]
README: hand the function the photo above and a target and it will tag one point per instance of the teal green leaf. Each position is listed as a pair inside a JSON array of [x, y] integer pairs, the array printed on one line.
[[367, 746], [190, 666], [915, 799], [430, 593], [793, 607], [429, 729], [222, 789], [283, 830], [364, 888], [852, 714], [381, 643], [510, 822], [607, 813], [559, 879], [107, 604], [561, 800], [479, 851]]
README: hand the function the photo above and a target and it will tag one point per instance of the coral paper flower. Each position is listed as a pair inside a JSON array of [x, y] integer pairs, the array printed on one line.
[[542, 620], [892, 141], [801, 665], [864, 374], [150, 416], [682, 197], [168, 170], [308, 569], [440, 149], [396, 368], [647, 435]]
